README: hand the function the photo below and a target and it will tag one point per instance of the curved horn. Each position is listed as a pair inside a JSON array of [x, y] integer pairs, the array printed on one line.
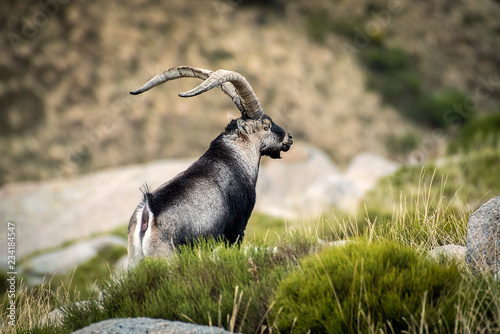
[[190, 72], [249, 100]]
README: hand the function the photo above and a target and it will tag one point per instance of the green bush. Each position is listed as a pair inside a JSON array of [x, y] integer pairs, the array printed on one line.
[[383, 59], [208, 284], [402, 144], [267, 6], [368, 288], [394, 74], [445, 109], [477, 133], [318, 25]]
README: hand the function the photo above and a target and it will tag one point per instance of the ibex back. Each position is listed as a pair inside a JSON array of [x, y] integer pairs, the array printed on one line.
[[215, 196]]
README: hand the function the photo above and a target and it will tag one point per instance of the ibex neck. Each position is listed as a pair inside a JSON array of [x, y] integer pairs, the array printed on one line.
[[241, 154]]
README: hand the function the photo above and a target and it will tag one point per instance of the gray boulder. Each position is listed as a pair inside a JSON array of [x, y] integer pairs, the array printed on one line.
[[306, 182], [483, 237], [282, 184], [366, 169], [332, 191], [55, 318], [147, 325], [65, 260]]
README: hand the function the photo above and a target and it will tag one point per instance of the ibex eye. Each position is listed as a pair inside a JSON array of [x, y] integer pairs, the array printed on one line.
[[266, 128]]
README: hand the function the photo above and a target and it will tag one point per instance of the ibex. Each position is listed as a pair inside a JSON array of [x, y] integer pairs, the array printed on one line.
[[215, 196]]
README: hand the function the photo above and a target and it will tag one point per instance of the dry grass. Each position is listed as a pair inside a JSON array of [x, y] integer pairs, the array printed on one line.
[[34, 303]]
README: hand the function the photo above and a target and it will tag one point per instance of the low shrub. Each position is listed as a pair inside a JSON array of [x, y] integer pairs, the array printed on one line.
[[444, 109], [402, 144], [386, 60], [362, 287], [378, 287], [477, 133], [208, 284], [318, 26], [394, 74]]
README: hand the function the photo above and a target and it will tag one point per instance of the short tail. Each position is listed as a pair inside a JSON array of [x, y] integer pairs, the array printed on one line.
[[140, 236], [147, 214]]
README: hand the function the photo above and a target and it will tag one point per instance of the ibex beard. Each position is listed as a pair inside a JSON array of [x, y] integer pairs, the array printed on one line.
[[215, 196]]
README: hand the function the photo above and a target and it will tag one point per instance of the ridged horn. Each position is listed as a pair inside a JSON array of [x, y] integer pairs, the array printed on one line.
[[190, 72], [249, 100]]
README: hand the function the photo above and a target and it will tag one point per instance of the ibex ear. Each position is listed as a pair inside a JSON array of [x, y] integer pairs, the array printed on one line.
[[244, 127]]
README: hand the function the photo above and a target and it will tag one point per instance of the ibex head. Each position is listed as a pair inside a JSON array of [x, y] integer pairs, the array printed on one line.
[[253, 125]]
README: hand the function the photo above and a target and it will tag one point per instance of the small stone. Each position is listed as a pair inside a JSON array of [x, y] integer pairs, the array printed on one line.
[[449, 251], [340, 243], [53, 318]]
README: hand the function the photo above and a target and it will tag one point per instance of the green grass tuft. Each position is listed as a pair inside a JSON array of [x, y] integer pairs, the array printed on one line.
[[264, 228], [429, 206]]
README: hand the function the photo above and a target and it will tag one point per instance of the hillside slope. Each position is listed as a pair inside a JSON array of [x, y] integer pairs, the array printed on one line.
[[67, 69]]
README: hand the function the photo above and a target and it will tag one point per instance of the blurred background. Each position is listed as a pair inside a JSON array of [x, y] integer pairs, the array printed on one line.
[[345, 76], [407, 81]]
